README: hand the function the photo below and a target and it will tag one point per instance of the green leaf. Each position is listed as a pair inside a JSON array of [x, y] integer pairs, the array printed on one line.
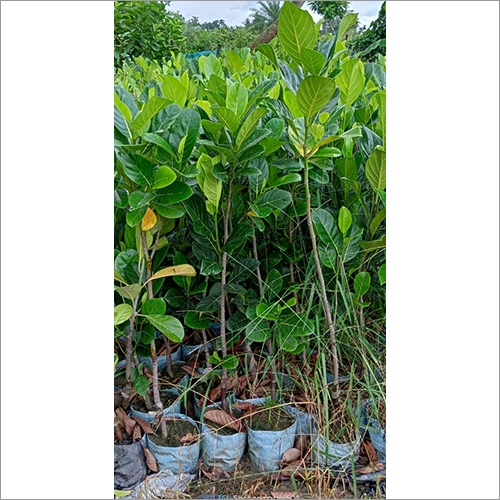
[[174, 90], [273, 284], [375, 169], [227, 117], [133, 217], [361, 283], [122, 313], [371, 246], [154, 306], [276, 199], [121, 198], [230, 362], [195, 207], [286, 179], [237, 322], [249, 125], [168, 325], [351, 81], [175, 297], [196, 320], [257, 331], [345, 220], [328, 256], [161, 142], [174, 193], [348, 22], [139, 199], [212, 66], [378, 102], [186, 130], [296, 30], [238, 236], [148, 334], [268, 51], [237, 99], [382, 195], [139, 170], [141, 384], [268, 311], [314, 93], [234, 63], [312, 60], [211, 187], [325, 226], [164, 177], [129, 292], [295, 324], [375, 223], [175, 211], [381, 274], [123, 108], [210, 268], [151, 108]]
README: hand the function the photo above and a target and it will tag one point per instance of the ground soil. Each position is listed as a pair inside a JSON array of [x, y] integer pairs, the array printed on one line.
[[120, 380], [176, 429], [167, 398], [273, 419], [177, 371]]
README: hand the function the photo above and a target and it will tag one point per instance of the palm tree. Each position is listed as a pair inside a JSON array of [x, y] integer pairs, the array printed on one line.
[[266, 14]]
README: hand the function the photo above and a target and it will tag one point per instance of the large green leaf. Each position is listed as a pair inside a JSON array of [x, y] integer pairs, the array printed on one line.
[[351, 81], [196, 209], [273, 284], [361, 283], [249, 125], [227, 117], [139, 170], [174, 90], [174, 193], [268, 51], [237, 99], [296, 30], [325, 227], [211, 187], [133, 217], [257, 331], [238, 236], [375, 169], [164, 177], [151, 108], [127, 114], [233, 62], [378, 102], [154, 306], [348, 22], [376, 221], [139, 199], [121, 198], [184, 132], [381, 274], [276, 199], [196, 320], [212, 66], [314, 93], [130, 291], [168, 325], [122, 313], [312, 60], [160, 141], [345, 220]]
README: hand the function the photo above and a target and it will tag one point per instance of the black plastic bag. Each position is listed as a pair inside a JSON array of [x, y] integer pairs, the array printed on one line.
[[130, 465]]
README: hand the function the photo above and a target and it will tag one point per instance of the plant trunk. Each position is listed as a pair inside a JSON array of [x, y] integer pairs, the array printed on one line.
[[271, 31], [205, 339], [168, 353], [147, 398], [326, 304], [128, 353]]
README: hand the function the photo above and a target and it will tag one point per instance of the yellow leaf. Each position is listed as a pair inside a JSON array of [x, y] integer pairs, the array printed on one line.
[[252, 214], [181, 270], [149, 220]]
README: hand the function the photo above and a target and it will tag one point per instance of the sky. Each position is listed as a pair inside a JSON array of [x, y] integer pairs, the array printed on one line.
[[235, 12]]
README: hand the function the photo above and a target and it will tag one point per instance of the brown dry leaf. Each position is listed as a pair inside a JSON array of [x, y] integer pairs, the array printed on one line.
[[119, 433], [291, 455], [266, 381], [189, 370], [244, 406], [127, 422], [188, 438], [137, 433], [145, 426], [292, 469], [148, 373], [302, 444], [149, 220], [370, 451], [150, 460], [284, 494], [222, 418], [377, 467]]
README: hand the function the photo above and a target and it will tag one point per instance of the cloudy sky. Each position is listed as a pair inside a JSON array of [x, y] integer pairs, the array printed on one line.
[[235, 12]]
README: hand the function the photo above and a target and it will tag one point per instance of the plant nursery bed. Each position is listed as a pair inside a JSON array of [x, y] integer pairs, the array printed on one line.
[[177, 430], [167, 399]]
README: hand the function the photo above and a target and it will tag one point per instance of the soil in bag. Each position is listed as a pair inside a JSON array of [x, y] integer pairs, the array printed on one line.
[[167, 399], [273, 419], [180, 432]]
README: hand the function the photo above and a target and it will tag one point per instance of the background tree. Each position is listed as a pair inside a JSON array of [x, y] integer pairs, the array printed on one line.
[[374, 36], [332, 13], [146, 29], [265, 14]]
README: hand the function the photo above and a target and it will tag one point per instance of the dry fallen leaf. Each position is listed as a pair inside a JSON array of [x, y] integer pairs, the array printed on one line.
[[370, 451], [222, 418], [188, 438], [150, 460], [127, 422], [146, 426], [302, 444], [215, 474], [137, 433], [291, 455], [243, 406], [189, 370]]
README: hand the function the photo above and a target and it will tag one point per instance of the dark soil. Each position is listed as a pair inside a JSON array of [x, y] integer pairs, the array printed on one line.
[[167, 398], [272, 419], [195, 339], [120, 380], [176, 429], [177, 372]]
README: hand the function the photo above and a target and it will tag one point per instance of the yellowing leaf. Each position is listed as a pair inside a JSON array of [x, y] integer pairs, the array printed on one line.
[[149, 220], [252, 214], [180, 270]]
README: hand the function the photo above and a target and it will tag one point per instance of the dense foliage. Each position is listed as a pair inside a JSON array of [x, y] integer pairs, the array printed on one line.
[[372, 41], [145, 29]]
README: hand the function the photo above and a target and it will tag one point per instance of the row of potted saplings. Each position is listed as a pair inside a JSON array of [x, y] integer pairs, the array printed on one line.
[[277, 433]]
